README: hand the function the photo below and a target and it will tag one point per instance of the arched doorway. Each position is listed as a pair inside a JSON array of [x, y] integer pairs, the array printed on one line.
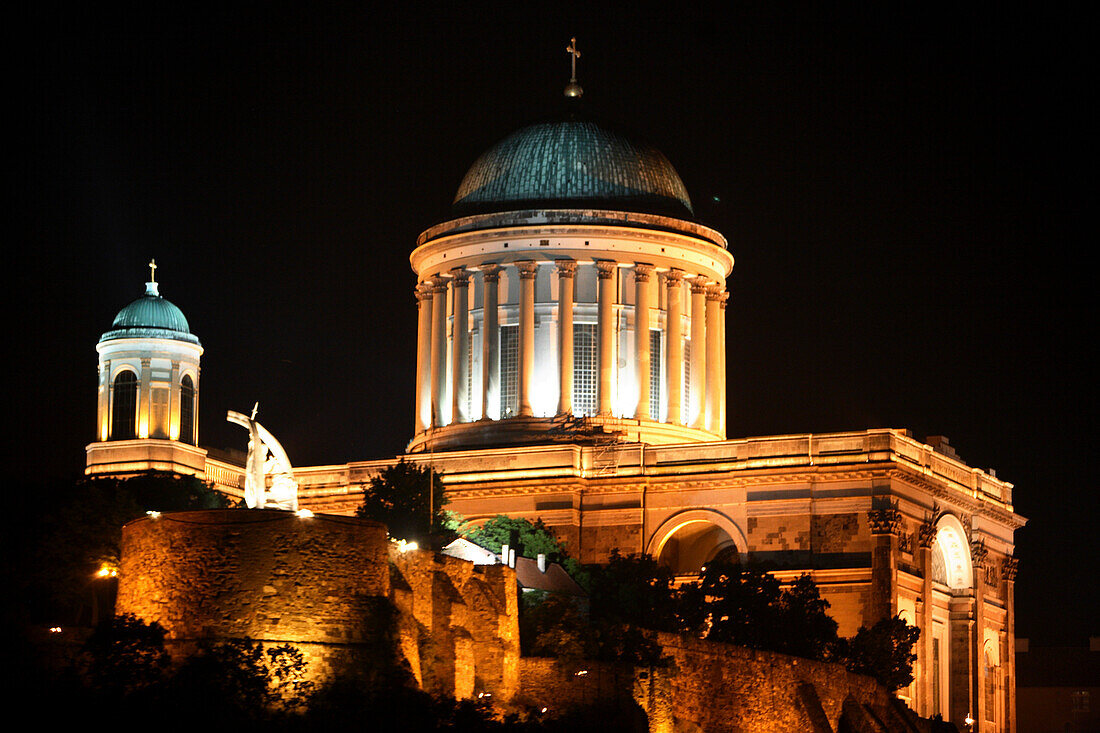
[[687, 541]]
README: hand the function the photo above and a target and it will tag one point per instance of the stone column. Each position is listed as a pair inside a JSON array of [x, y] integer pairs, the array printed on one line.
[[722, 363], [460, 349], [886, 525], [714, 357], [980, 556], [490, 341], [104, 412], [697, 414], [439, 348], [674, 348], [926, 536], [528, 271], [567, 269], [423, 357], [1008, 575], [641, 338], [174, 402], [605, 271], [145, 400]]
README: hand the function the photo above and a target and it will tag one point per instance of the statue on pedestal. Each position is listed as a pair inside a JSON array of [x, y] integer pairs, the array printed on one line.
[[265, 458]]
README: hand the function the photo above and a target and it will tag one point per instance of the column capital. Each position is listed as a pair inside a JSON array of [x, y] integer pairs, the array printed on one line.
[[642, 271], [438, 284], [460, 277], [885, 519], [566, 268], [715, 291], [699, 285], [491, 273], [528, 269], [605, 268], [1009, 567], [723, 297], [673, 278], [926, 534], [978, 553], [423, 291]]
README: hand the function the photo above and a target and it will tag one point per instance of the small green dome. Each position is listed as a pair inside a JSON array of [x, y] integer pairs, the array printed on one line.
[[572, 163], [150, 316]]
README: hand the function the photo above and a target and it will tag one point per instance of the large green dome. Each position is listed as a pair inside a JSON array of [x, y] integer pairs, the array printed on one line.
[[572, 163], [150, 316]]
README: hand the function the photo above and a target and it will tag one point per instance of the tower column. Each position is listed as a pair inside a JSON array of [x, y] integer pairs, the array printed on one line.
[[1008, 575], [423, 357], [460, 339], [174, 402], [605, 271], [714, 357], [102, 429], [926, 536], [674, 347], [145, 399], [490, 341], [439, 348], [698, 413], [722, 363], [641, 338], [528, 271], [567, 269]]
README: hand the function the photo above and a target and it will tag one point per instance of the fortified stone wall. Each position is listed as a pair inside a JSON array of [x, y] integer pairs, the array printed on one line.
[[718, 687], [320, 584]]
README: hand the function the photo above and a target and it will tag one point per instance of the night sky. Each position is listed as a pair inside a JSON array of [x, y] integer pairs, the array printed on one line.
[[904, 195]]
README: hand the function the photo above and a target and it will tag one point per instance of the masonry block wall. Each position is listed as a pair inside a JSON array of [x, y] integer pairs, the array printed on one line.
[[316, 583]]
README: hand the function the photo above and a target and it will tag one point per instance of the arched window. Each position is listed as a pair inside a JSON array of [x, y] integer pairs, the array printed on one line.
[[187, 410], [124, 406]]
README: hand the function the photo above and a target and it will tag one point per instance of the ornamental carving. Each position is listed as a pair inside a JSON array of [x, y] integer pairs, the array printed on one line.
[[566, 268], [461, 277], [699, 286], [978, 553], [926, 534], [885, 519], [642, 272], [1009, 567], [605, 269], [528, 269], [491, 273], [674, 277], [905, 542]]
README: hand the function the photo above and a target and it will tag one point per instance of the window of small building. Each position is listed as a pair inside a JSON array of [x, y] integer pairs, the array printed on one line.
[[124, 394]]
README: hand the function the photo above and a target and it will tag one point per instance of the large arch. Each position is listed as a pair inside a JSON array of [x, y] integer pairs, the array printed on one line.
[[954, 550], [699, 535]]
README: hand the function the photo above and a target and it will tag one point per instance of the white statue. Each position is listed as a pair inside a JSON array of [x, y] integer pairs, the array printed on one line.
[[266, 458]]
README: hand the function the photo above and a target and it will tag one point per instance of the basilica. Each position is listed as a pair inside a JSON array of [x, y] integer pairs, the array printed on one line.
[[571, 367]]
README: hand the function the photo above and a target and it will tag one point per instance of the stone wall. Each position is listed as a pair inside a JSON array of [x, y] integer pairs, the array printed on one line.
[[717, 687], [322, 584]]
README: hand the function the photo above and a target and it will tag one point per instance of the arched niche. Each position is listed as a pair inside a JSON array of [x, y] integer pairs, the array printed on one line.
[[689, 539], [952, 565]]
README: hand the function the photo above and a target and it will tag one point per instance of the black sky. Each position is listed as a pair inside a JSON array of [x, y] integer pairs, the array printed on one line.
[[904, 194]]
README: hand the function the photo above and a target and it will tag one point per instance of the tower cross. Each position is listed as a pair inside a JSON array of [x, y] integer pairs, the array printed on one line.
[[152, 271], [571, 49]]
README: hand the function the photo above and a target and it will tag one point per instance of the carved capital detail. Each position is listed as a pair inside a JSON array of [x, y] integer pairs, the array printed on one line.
[[460, 277], [673, 278], [605, 269], [528, 269], [642, 272], [979, 553], [1009, 567], [926, 534], [491, 273], [699, 285], [715, 292], [566, 268], [725, 296], [438, 284], [885, 520]]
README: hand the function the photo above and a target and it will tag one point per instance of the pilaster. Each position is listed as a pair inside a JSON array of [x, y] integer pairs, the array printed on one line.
[[641, 339], [605, 271], [567, 270]]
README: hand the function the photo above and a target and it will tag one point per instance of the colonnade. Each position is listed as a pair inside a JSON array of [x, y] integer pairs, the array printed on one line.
[[439, 388]]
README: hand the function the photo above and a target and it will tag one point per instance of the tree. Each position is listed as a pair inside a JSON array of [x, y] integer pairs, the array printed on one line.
[[884, 651], [402, 496], [125, 656], [80, 528], [530, 539]]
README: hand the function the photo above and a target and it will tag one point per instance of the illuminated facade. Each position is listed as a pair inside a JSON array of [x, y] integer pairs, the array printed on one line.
[[571, 367]]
